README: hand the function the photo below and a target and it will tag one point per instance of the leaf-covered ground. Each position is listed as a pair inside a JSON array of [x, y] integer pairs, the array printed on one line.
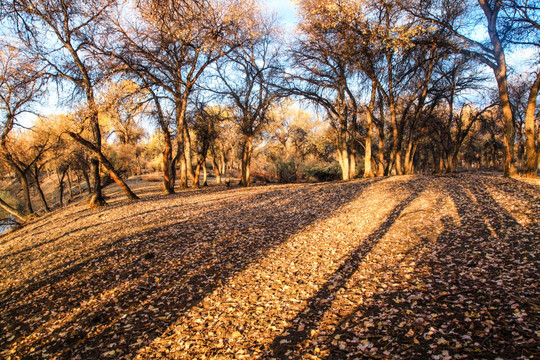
[[440, 267]]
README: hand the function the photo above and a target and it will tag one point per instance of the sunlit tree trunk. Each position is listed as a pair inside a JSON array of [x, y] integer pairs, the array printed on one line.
[[352, 163], [96, 199], [183, 172], [500, 70], [197, 175], [11, 210], [343, 149], [101, 158], [530, 130], [247, 152], [215, 166], [380, 153], [205, 173], [368, 172], [409, 157]]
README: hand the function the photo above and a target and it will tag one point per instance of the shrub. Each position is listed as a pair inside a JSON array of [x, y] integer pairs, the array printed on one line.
[[286, 171], [327, 173]]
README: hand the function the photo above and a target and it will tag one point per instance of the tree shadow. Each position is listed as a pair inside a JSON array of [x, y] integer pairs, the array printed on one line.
[[116, 207], [131, 289], [320, 303], [474, 293]]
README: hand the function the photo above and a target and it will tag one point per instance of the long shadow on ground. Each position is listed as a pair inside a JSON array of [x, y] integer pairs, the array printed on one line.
[[284, 346], [474, 293], [132, 289]]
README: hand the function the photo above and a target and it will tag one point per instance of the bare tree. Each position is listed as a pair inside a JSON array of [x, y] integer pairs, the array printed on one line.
[[172, 44], [248, 77], [62, 34], [521, 19], [20, 86], [459, 19]]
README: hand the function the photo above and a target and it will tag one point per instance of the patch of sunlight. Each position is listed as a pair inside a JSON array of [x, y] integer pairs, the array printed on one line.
[[264, 300]]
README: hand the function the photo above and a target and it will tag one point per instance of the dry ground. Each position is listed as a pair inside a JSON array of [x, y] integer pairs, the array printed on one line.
[[423, 267]]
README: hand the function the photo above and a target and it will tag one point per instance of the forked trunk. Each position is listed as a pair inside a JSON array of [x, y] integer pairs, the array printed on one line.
[[409, 157]]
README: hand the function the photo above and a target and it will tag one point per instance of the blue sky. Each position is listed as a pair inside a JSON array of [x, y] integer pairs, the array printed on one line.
[[284, 9]]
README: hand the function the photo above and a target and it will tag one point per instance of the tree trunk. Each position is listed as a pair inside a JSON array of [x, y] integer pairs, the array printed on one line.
[[442, 167], [78, 183], [502, 85], [87, 180], [61, 177], [12, 210], [216, 169], [168, 182], [118, 180], [70, 186], [183, 172], [368, 172], [23, 178], [409, 157], [197, 175], [205, 173], [352, 163], [40, 191], [222, 163], [395, 156], [380, 153], [531, 166], [247, 152], [97, 199], [343, 151], [183, 133]]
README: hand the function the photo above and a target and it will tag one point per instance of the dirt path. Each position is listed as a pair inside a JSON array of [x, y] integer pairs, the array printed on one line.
[[404, 267]]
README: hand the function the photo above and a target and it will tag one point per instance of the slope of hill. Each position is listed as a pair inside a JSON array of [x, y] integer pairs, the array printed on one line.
[[402, 267]]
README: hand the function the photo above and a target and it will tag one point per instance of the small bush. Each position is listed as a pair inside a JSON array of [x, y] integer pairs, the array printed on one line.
[[286, 171], [327, 173], [262, 176]]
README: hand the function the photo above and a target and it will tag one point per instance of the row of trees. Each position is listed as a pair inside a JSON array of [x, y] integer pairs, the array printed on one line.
[[398, 82]]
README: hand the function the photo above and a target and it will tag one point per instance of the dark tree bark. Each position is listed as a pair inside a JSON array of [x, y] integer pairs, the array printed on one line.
[[35, 174]]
